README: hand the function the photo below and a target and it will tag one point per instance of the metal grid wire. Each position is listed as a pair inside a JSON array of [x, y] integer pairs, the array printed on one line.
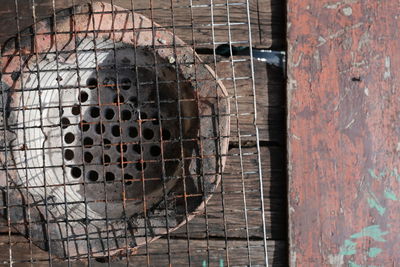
[[116, 136]]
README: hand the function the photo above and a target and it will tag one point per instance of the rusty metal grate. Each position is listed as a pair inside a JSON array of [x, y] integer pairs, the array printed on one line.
[[130, 137]]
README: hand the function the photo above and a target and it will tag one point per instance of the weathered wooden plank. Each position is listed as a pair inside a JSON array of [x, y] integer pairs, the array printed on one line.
[[269, 92], [238, 202], [157, 253], [268, 89], [237, 253], [343, 133], [260, 16], [234, 226], [235, 198], [270, 101]]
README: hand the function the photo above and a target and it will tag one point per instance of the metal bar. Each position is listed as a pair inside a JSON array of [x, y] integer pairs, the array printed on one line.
[[257, 137]]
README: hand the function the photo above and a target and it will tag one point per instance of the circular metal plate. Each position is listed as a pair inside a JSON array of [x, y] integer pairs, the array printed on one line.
[[115, 136]]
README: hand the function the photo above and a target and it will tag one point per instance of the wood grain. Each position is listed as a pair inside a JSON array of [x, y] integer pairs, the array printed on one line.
[[193, 27], [235, 228], [235, 200], [260, 16], [156, 254], [269, 92], [343, 134], [267, 24]]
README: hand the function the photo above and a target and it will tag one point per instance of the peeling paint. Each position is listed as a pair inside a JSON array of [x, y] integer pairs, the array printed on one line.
[[373, 202], [317, 59], [373, 252], [336, 5], [293, 257], [352, 201], [338, 33], [389, 194], [364, 40], [321, 40], [372, 231], [298, 60], [353, 264], [349, 124], [349, 248], [366, 91], [336, 260], [387, 74], [347, 11], [373, 175], [333, 6], [296, 137], [394, 172]]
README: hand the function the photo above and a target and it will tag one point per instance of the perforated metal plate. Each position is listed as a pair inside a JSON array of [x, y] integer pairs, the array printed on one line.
[[112, 141]]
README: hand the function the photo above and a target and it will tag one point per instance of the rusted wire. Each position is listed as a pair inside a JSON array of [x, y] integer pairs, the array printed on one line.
[[186, 196]]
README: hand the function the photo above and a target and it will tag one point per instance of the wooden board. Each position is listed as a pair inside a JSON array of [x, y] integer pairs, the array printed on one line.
[[235, 200], [268, 87], [156, 254], [233, 210], [267, 29], [343, 133], [260, 16], [269, 91]]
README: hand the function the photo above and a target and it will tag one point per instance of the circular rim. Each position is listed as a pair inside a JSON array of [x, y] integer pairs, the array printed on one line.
[[213, 112]]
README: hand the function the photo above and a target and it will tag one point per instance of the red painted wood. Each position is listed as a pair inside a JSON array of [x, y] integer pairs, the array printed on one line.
[[343, 132]]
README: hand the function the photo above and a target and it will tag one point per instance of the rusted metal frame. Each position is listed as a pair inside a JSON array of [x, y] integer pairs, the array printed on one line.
[[182, 156], [235, 96], [119, 117], [55, 106], [200, 143], [164, 176], [86, 222], [218, 148], [181, 140], [41, 125], [120, 131], [142, 83], [100, 104], [147, 9], [24, 138], [61, 128], [106, 49], [123, 177], [153, 161], [142, 178], [7, 207]]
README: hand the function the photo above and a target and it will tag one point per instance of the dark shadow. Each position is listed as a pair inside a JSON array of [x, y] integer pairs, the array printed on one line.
[[277, 133]]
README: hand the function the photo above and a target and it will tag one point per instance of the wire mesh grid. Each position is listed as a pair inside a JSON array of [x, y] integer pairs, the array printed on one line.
[[119, 140]]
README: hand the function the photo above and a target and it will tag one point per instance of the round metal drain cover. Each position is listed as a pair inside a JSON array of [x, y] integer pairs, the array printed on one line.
[[114, 137]]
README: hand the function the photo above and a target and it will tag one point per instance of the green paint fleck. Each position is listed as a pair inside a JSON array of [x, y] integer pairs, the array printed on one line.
[[373, 231], [374, 203], [389, 194], [353, 264], [204, 264], [221, 263], [349, 248], [372, 173], [382, 173], [396, 174], [373, 252]]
